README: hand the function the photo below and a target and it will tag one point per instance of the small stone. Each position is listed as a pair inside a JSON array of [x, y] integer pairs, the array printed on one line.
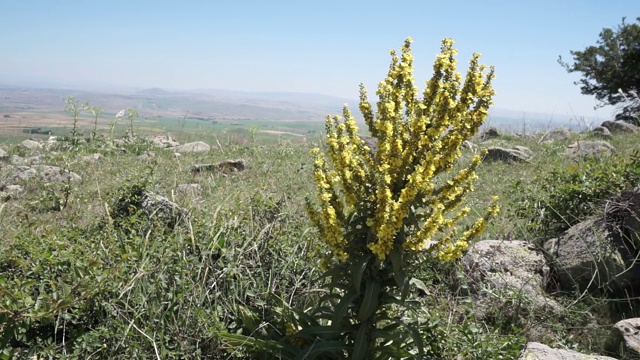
[[223, 166], [490, 133], [9, 192], [538, 351], [31, 144], [92, 158], [470, 146], [589, 148], [147, 155], [189, 189], [197, 146], [164, 141], [556, 135], [496, 153], [17, 160]]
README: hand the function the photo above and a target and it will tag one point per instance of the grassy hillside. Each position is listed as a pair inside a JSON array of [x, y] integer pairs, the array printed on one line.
[[84, 273]]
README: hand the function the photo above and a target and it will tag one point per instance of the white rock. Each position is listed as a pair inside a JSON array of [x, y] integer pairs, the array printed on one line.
[[538, 351], [197, 146], [31, 144]]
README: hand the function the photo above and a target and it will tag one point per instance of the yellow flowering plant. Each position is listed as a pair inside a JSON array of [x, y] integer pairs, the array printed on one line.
[[380, 210]]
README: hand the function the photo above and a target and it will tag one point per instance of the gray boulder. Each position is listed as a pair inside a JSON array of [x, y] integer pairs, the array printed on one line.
[[499, 270], [601, 132], [631, 228], [618, 127], [627, 333], [154, 210], [523, 149], [55, 174], [160, 209], [556, 135], [602, 251], [34, 160], [3, 154], [92, 158], [225, 166], [17, 160], [8, 192], [22, 173], [490, 133], [538, 351], [31, 144], [51, 142], [591, 256], [201, 168], [191, 190], [147, 155], [46, 173], [197, 146], [589, 148], [118, 142], [623, 211], [496, 153], [468, 145], [164, 141]]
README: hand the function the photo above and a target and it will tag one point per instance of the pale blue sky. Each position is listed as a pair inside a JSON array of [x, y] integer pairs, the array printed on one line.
[[326, 47]]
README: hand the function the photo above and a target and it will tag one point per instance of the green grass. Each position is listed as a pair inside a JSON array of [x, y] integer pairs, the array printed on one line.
[[83, 280]]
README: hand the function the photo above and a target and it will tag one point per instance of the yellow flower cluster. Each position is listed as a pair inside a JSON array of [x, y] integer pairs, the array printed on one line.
[[453, 250], [418, 139]]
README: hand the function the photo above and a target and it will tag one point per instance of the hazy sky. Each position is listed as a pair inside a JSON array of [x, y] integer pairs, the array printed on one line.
[[326, 46]]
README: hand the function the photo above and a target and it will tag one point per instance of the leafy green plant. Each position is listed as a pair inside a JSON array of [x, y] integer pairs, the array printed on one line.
[[73, 106], [131, 115], [253, 131], [565, 195], [48, 300], [96, 111]]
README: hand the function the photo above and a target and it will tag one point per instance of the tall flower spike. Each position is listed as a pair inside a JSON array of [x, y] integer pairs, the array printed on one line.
[[418, 143]]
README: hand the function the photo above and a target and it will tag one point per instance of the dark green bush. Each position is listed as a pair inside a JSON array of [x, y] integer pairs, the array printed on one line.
[[560, 198]]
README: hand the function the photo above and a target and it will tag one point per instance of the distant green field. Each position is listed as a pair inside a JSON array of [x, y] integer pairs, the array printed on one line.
[[250, 129], [186, 127]]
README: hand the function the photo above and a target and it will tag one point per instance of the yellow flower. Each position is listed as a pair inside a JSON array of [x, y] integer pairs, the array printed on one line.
[[419, 140]]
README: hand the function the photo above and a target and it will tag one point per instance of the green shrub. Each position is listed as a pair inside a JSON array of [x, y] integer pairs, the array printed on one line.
[[565, 195], [49, 287]]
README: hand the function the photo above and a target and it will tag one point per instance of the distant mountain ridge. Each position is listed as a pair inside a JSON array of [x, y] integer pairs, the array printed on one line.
[[214, 104], [231, 104]]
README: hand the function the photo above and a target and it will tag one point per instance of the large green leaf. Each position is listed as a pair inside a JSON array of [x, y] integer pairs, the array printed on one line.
[[325, 349], [322, 332], [340, 310], [357, 271], [276, 348]]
